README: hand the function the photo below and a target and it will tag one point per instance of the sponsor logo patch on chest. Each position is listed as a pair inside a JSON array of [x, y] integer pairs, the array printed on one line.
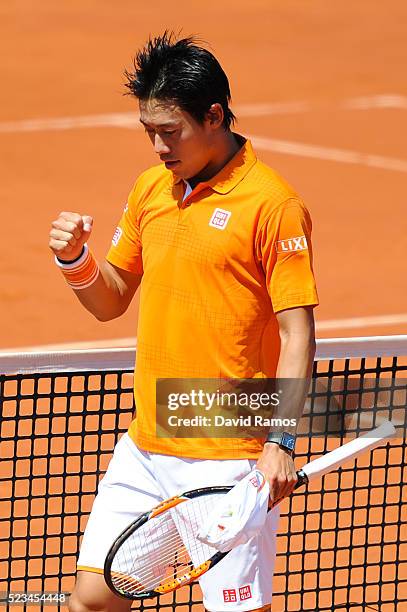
[[292, 244], [220, 218]]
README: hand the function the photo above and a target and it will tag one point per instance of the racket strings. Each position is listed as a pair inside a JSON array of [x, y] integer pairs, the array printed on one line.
[[148, 577], [141, 562], [173, 560], [154, 570], [165, 548]]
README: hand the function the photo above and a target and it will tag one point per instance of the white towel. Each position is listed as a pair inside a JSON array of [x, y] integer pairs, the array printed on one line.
[[239, 516]]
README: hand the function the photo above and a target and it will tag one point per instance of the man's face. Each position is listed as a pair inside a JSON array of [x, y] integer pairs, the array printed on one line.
[[183, 144]]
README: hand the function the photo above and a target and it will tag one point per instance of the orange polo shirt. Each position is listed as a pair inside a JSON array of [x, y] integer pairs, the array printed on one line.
[[216, 268]]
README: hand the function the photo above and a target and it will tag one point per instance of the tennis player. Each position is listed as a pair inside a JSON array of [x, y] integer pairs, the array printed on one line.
[[220, 245]]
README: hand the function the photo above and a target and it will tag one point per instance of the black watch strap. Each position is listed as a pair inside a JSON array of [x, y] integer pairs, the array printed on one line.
[[284, 439]]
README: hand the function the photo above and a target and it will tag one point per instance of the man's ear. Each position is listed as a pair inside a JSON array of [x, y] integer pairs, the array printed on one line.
[[215, 115]]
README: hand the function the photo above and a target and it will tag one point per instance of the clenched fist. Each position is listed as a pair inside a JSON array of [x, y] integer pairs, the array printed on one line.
[[68, 235]]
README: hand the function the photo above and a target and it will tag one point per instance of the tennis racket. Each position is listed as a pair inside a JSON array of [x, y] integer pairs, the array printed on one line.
[[158, 552]]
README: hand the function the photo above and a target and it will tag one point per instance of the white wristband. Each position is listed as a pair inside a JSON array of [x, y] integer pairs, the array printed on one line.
[[70, 265]]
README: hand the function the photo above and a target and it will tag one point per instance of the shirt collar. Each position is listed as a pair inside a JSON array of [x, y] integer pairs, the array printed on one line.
[[234, 171]]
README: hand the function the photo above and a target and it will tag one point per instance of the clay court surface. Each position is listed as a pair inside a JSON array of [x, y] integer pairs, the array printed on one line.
[[318, 86]]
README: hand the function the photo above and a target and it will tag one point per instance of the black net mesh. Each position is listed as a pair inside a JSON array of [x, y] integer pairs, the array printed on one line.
[[342, 543]]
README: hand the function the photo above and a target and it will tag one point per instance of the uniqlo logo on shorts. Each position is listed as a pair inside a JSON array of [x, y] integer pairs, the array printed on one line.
[[229, 595], [292, 244], [220, 218], [116, 236], [245, 592]]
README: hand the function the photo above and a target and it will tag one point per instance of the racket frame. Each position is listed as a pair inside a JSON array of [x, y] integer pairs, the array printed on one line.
[[163, 506], [190, 576]]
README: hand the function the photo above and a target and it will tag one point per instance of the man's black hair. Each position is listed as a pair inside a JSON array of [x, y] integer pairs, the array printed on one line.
[[182, 72]]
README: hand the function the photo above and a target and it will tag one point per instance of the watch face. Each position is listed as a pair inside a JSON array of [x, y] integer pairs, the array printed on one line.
[[288, 441]]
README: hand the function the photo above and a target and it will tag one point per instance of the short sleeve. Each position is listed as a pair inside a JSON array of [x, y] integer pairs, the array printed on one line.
[[284, 251], [126, 251]]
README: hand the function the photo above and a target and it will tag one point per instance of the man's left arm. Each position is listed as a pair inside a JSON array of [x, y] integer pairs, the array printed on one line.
[[297, 334]]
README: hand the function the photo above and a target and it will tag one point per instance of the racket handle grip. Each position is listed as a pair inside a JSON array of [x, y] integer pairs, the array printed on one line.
[[302, 479]]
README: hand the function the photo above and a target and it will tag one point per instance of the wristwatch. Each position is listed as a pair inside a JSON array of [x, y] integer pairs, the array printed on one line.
[[284, 439]]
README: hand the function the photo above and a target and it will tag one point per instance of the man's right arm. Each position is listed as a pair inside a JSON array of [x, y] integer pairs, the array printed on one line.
[[111, 293]]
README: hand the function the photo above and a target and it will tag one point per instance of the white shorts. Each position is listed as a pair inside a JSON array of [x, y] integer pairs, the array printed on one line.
[[137, 480]]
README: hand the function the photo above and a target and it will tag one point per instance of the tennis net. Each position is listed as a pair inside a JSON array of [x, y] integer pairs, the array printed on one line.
[[342, 543]]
